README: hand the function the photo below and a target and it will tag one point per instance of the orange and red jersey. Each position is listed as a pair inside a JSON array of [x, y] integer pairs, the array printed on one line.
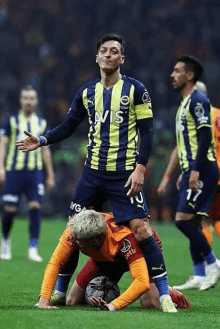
[[119, 243], [216, 133]]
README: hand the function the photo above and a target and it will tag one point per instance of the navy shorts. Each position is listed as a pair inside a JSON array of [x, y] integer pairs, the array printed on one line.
[[28, 182], [199, 202], [99, 186]]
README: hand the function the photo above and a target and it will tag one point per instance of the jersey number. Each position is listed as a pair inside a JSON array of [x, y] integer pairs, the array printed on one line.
[[189, 193]]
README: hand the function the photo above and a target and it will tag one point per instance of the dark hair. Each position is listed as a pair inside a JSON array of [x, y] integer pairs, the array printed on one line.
[[27, 88], [192, 64], [111, 36]]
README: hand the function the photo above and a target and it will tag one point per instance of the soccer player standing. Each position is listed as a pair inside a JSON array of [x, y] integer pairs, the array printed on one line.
[[22, 173], [118, 108], [198, 182]]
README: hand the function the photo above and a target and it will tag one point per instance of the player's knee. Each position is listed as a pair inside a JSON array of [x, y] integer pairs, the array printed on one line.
[[10, 208], [149, 301], [141, 229], [33, 205]]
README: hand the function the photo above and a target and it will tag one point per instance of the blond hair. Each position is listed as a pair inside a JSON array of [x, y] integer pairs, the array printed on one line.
[[87, 224]]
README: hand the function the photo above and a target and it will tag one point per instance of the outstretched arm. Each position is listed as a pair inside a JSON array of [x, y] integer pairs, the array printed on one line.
[[172, 165], [56, 135]]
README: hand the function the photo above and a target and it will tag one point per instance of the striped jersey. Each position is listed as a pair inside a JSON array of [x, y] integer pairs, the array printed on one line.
[[195, 111], [113, 118], [13, 128]]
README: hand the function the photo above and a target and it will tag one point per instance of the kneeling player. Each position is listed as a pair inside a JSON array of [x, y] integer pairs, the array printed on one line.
[[97, 236]]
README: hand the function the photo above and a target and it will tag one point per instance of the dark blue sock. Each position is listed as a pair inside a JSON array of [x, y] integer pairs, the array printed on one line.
[[210, 258], [66, 273], [34, 227], [199, 269], [155, 264], [7, 222], [198, 243]]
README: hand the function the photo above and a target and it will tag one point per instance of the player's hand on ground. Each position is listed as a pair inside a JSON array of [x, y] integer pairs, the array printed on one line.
[[194, 180], [45, 303], [100, 303], [50, 183], [178, 182], [28, 144], [135, 181], [162, 189], [2, 176]]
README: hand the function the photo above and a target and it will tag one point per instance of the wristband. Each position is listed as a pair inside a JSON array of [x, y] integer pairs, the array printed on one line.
[[166, 176], [42, 141]]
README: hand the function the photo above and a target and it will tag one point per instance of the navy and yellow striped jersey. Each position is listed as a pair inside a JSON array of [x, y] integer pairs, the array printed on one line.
[[195, 111], [13, 128], [113, 117]]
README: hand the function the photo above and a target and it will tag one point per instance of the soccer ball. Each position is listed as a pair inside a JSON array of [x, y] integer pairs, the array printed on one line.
[[102, 287]]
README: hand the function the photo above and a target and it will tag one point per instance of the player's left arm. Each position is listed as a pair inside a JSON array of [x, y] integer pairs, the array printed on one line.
[[139, 273], [47, 160], [201, 114], [144, 115]]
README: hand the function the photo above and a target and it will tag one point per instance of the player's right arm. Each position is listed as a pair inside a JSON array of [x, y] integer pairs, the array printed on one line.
[[75, 116], [172, 165], [59, 257], [138, 269]]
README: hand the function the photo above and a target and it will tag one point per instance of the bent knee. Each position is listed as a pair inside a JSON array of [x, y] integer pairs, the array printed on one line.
[[34, 204], [141, 229], [10, 208]]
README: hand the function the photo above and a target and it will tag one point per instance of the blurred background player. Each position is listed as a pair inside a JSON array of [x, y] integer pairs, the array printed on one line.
[[198, 181], [214, 214], [23, 173], [113, 249]]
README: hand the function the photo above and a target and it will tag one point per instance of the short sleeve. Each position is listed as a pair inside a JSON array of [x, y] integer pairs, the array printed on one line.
[[130, 249], [77, 110], [142, 102], [201, 113], [5, 128]]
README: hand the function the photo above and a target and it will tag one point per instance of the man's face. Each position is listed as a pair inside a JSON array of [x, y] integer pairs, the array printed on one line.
[[179, 76], [95, 243], [28, 100], [109, 57]]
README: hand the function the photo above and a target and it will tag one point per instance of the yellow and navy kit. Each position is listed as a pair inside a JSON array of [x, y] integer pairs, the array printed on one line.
[[113, 117], [195, 112], [13, 128]]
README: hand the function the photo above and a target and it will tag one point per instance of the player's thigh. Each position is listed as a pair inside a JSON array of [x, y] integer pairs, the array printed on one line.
[[124, 207], [14, 186], [198, 202], [88, 192], [34, 188]]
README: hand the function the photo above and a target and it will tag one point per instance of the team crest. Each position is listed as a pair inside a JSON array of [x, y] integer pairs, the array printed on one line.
[[200, 184], [125, 100], [126, 246], [146, 97], [199, 111]]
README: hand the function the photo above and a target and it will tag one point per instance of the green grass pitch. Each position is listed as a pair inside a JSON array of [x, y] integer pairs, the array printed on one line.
[[20, 282]]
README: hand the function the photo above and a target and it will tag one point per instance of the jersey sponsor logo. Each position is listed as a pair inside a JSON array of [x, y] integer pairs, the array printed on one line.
[[199, 111], [115, 117], [130, 252], [179, 126], [77, 207], [203, 120], [10, 198], [146, 97], [126, 245], [91, 101]]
